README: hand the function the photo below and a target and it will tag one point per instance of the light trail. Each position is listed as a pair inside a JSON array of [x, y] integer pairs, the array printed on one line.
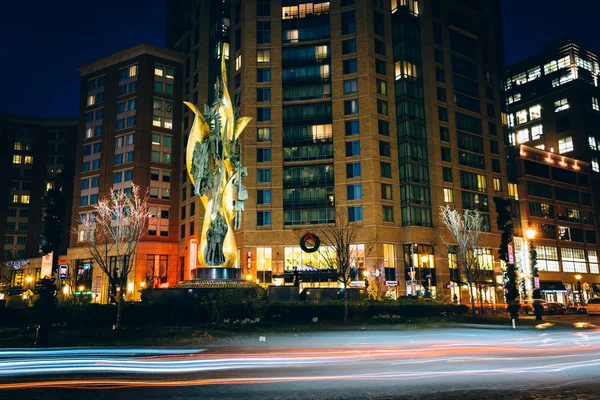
[[500, 355]]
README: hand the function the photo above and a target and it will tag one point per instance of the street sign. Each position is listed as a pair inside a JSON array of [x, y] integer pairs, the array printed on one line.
[[63, 272], [391, 283], [357, 284]]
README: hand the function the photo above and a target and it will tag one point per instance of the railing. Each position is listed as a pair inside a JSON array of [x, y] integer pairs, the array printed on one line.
[[300, 182], [308, 203]]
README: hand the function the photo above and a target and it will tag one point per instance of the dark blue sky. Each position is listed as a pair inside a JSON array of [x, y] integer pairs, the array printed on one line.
[[43, 42]]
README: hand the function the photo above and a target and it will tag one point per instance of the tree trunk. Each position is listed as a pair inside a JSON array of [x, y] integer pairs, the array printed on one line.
[[346, 303], [481, 298], [474, 315], [119, 304]]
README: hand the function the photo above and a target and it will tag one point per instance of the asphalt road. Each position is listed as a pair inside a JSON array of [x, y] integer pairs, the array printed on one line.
[[463, 362]]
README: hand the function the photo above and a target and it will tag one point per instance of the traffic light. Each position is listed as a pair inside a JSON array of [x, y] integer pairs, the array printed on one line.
[[503, 208]]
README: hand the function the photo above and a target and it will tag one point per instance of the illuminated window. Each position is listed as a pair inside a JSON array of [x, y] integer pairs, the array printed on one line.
[[448, 195], [238, 62], [497, 184], [534, 73], [291, 36], [592, 260], [162, 115], [523, 136], [595, 105], [132, 70], [537, 132], [521, 117], [28, 160], [565, 145], [48, 186], [561, 105], [389, 258], [17, 146], [564, 62], [514, 98], [513, 192], [550, 67], [25, 199], [481, 183], [540, 146], [264, 259], [17, 159], [535, 112], [15, 198], [263, 56], [595, 164], [405, 69]]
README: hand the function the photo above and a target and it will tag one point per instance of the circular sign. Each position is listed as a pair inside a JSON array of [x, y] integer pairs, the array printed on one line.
[[309, 242]]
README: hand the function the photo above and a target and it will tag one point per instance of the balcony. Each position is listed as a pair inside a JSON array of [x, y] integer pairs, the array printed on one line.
[[302, 79], [305, 60], [308, 203], [292, 182]]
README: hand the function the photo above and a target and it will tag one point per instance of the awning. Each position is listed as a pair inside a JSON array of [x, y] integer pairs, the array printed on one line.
[[552, 286]]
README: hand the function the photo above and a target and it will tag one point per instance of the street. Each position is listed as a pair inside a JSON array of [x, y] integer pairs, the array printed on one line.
[[457, 362]]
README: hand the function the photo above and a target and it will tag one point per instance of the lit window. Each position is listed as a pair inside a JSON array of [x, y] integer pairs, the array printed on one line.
[[133, 70], [535, 112], [158, 70], [521, 117], [263, 56], [534, 73], [595, 104], [25, 199], [28, 160], [448, 195], [16, 159], [523, 136], [595, 164], [238, 62], [541, 146], [405, 69], [565, 145], [481, 183], [564, 62], [497, 184], [550, 67], [593, 142], [48, 186], [561, 105], [514, 98], [17, 146], [537, 132], [513, 192]]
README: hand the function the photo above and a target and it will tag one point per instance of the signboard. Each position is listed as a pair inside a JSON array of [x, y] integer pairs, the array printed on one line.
[[511, 257], [16, 264], [46, 270], [63, 272], [536, 283], [391, 283], [357, 284]]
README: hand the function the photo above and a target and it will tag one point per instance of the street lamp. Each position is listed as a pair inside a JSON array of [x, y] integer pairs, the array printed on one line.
[[530, 232], [29, 279], [143, 284]]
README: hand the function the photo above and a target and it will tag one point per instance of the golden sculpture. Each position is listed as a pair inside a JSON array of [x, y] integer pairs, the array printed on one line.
[[214, 165]]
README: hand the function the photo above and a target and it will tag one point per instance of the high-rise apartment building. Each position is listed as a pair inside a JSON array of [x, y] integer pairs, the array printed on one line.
[[129, 124], [34, 152], [381, 110], [553, 117]]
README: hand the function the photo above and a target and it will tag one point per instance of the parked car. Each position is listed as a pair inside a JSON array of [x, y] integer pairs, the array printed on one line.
[[554, 308], [526, 308], [593, 306]]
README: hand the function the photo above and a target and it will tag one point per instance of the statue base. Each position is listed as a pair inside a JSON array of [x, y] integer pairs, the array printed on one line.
[[218, 273]]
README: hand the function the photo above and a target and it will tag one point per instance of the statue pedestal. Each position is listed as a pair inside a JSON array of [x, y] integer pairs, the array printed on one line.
[[217, 273]]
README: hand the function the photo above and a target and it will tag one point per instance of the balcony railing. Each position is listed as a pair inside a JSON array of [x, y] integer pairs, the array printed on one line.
[[313, 181], [300, 79], [308, 203], [305, 60]]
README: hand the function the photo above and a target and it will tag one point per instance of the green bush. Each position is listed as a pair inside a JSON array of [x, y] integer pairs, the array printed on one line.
[[334, 310]]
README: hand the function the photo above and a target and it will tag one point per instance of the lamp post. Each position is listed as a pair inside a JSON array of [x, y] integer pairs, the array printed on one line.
[[534, 292], [578, 277]]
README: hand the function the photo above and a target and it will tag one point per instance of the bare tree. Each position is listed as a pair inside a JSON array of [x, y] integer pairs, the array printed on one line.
[[339, 249], [465, 239], [114, 229]]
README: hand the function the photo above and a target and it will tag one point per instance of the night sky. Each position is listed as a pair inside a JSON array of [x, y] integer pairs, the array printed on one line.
[[43, 43]]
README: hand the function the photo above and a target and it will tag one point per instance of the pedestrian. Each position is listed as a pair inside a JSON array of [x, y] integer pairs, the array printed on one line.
[[513, 309], [538, 309]]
